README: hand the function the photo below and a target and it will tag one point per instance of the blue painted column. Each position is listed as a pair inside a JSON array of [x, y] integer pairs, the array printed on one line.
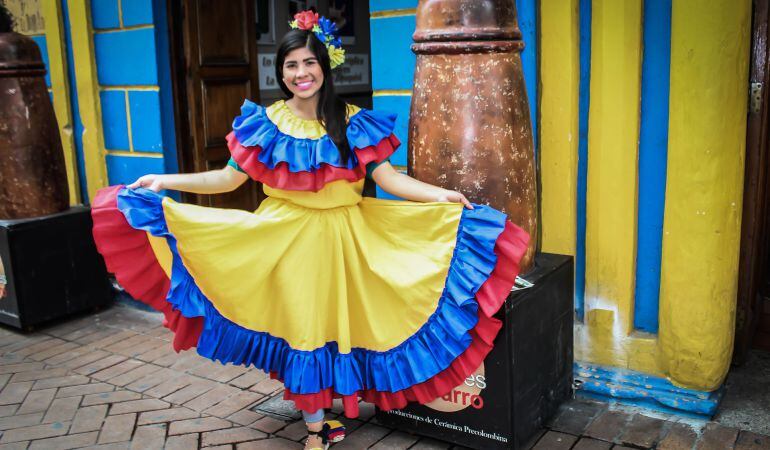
[[653, 152], [582, 176], [528, 24]]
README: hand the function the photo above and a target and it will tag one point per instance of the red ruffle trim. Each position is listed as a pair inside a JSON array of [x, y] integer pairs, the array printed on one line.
[[128, 254], [509, 248], [281, 178]]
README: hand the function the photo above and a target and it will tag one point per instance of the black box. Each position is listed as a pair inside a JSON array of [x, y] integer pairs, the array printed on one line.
[[523, 380], [52, 267]]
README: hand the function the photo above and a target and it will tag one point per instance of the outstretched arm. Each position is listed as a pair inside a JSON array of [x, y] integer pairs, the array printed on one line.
[[3, 280], [408, 188], [211, 182]]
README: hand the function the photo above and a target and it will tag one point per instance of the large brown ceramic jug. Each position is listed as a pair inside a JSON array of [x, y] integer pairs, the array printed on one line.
[[469, 126], [33, 180]]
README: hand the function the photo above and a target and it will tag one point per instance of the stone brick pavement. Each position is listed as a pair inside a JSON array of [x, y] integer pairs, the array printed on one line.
[[110, 380]]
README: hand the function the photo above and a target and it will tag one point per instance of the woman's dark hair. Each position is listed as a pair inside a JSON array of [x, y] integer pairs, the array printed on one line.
[[6, 20], [332, 110]]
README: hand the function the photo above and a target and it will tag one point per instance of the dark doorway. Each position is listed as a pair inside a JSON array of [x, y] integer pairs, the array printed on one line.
[[214, 67], [752, 327]]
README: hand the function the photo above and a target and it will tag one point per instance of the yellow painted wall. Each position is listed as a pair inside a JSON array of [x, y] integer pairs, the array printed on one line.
[[707, 125], [57, 64], [613, 130], [704, 190], [559, 78]]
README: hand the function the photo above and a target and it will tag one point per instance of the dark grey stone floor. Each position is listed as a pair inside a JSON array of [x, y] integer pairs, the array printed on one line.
[[746, 404]]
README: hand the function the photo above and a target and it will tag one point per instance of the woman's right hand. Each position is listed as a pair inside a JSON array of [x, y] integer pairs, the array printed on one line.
[[151, 182]]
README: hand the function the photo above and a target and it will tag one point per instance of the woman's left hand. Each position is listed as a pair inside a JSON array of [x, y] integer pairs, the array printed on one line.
[[454, 197]]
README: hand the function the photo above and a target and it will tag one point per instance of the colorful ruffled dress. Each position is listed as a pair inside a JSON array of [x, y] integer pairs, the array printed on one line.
[[335, 294]]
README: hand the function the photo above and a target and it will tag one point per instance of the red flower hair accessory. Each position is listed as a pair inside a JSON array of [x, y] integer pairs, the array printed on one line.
[[305, 20], [326, 32]]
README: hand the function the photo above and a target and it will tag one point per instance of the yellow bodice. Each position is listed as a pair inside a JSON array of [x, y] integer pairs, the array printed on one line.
[[334, 195]]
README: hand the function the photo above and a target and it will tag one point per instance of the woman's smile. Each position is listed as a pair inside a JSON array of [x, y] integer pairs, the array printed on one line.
[[304, 84]]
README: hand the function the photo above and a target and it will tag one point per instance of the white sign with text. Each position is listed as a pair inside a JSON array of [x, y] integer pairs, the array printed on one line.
[[354, 72]]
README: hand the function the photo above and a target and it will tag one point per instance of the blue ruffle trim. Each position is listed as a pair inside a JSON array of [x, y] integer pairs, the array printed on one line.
[[444, 336], [254, 128]]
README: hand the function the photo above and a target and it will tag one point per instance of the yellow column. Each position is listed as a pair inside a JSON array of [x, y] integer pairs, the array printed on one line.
[[611, 199], [559, 80], [613, 134], [57, 65], [707, 130], [88, 95]]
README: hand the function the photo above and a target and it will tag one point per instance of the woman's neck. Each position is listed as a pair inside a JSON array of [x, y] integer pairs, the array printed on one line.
[[304, 108]]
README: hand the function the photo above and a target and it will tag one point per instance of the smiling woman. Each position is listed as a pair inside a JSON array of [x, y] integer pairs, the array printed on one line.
[[336, 295]]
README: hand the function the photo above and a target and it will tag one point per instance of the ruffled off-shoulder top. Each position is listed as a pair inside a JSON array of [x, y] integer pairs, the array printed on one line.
[[275, 147]]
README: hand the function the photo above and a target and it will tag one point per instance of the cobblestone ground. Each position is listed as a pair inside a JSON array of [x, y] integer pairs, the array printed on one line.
[[110, 380]]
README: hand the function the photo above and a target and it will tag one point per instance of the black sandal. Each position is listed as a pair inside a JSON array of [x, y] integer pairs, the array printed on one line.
[[332, 431], [322, 435]]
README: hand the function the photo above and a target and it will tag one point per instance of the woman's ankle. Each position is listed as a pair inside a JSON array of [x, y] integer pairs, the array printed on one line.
[[315, 426]]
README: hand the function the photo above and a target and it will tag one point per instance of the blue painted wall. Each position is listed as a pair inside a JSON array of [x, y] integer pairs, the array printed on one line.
[[105, 14], [386, 5], [114, 120], [133, 70], [125, 169], [126, 57], [145, 121], [392, 58]]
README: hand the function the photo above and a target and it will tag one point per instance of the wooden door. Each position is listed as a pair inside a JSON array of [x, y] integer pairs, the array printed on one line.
[[753, 265], [216, 71]]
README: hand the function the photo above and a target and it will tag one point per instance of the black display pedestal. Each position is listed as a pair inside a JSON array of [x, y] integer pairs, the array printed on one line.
[[52, 267], [521, 383]]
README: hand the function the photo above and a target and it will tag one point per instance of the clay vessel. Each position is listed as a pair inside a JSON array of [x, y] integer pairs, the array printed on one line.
[[33, 179], [469, 124]]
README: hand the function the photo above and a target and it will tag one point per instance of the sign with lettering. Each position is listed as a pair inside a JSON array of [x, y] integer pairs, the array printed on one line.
[[355, 71], [27, 15]]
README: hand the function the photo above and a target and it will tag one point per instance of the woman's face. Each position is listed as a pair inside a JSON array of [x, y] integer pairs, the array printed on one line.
[[302, 73]]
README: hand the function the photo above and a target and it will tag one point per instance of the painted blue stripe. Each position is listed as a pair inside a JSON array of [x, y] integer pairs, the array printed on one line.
[[387, 5], [77, 123], [653, 151], [527, 15], [43, 45], [582, 176], [170, 162]]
